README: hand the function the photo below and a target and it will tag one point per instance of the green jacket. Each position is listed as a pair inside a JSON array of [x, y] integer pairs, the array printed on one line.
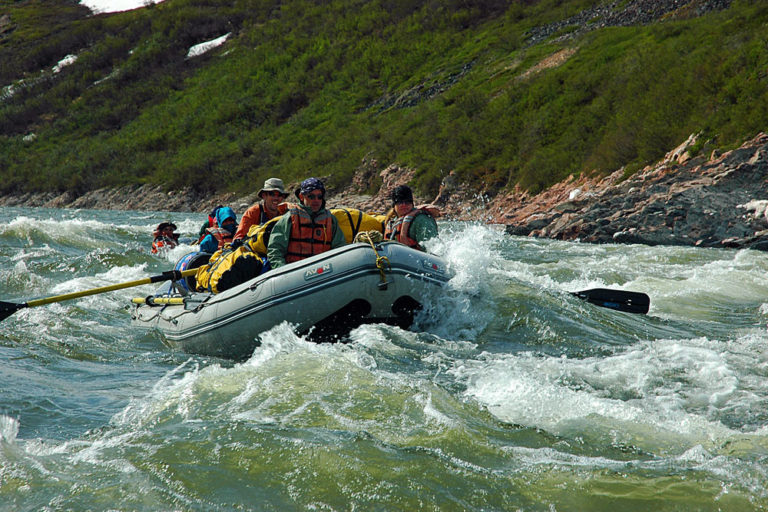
[[423, 228], [281, 234]]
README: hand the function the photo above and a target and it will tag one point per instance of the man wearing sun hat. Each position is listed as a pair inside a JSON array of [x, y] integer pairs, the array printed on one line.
[[271, 194], [306, 229]]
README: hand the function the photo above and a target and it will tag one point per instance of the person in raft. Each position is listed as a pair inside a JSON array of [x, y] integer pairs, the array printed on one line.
[[305, 229], [209, 223], [407, 224], [164, 237], [271, 194], [219, 236]]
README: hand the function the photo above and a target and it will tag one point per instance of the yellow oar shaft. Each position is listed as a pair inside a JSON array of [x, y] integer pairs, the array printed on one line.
[[85, 293], [165, 276]]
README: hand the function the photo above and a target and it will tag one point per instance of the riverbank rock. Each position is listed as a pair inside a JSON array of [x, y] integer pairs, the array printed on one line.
[[718, 201]]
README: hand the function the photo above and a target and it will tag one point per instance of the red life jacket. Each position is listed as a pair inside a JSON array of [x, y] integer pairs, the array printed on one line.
[[399, 228], [221, 235], [308, 236]]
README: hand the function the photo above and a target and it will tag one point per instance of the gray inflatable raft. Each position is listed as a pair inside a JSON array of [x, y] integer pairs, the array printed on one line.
[[324, 295]]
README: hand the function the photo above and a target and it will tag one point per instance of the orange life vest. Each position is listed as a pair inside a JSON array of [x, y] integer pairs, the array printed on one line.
[[308, 236], [398, 229], [162, 243], [221, 235]]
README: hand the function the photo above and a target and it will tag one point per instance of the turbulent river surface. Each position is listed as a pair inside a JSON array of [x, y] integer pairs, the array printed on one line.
[[507, 394]]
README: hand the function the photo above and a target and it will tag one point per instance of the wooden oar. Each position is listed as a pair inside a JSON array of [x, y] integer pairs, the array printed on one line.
[[9, 308], [620, 300]]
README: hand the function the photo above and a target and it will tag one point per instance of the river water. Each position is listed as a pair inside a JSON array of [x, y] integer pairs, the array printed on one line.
[[508, 394]]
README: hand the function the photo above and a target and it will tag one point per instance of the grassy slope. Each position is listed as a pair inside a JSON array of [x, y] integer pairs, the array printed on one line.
[[310, 88]]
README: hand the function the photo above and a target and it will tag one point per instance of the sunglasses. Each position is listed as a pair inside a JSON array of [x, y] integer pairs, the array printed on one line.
[[314, 196], [274, 193]]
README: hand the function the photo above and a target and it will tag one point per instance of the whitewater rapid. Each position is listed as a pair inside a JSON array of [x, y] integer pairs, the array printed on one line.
[[508, 393]]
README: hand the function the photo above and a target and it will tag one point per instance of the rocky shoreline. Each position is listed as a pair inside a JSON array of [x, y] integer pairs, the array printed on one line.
[[720, 201]]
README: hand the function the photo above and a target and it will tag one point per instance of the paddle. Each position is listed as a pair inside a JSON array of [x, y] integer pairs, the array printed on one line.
[[9, 308], [620, 300]]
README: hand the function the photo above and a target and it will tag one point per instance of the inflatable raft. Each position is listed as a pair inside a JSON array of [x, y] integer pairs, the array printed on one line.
[[324, 295]]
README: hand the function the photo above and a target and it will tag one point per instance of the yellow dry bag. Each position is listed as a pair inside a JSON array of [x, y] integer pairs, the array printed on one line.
[[228, 268]]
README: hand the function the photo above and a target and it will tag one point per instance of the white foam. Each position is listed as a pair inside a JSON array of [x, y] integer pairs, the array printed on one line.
[[75, 231], [9, 429], [665, 393], [188, 390], [176, 253], [472, 254]]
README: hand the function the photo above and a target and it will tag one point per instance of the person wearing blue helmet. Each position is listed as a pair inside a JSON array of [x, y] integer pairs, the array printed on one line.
[[223, 233], [209, 223]]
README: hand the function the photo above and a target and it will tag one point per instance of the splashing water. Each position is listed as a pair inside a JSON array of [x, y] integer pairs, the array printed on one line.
[[508, 393]]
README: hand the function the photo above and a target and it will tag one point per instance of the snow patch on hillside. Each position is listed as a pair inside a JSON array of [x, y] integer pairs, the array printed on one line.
[[201, 48], [106, 6]]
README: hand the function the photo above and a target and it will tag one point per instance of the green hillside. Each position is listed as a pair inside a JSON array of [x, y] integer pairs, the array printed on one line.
[[312, 87]]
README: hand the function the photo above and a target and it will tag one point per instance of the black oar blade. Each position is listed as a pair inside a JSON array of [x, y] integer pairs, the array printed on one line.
[[620, 300], [9, 308]]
